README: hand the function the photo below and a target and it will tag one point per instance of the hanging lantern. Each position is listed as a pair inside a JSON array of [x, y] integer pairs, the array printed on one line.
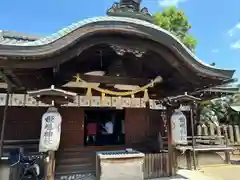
[[50, 131], [179, 128]]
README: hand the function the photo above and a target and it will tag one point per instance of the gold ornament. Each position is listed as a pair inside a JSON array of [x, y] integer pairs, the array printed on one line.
[[89, 92], [158, 79], [146, 96]]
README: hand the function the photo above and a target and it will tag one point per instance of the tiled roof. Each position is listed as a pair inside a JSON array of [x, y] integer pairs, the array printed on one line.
[[74, 26], [15, 38]]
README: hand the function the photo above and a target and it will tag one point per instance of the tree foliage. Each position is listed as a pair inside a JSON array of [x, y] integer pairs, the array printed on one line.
[[219, 110], [175, 21]]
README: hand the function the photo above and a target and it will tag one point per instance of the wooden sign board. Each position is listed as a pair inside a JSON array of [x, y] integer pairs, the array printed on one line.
[[85, 101]]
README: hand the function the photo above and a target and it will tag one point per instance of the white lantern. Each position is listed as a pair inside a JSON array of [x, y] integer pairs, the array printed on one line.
[[50, 131], [179, 128]]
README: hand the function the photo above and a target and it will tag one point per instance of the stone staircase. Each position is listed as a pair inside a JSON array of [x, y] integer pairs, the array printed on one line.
[[79, 163], [75, 164]]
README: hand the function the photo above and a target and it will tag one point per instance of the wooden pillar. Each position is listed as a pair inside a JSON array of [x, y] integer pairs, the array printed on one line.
[[189, 159], [219, 134], [50, 166], [231, 133], [227, 153], [237, 134], [4, 120], [193, 106]]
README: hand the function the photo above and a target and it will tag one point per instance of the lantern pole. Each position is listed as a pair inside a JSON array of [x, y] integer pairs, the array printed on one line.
[[170, 146], [175, 102], [50, 169]]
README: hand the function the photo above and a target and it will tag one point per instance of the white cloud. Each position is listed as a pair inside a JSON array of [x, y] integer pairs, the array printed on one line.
[[235, 38], [215, 50], [233, 30], [236, 45], [165, 3]]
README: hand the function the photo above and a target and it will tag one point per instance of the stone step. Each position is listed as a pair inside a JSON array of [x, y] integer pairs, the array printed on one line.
[[71, 159], [76, 176], [75, 160], [72, 162], [75, 154], [90, 148], [75, 167], [75, 163]]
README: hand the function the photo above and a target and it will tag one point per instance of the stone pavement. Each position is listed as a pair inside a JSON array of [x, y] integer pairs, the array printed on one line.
[[189, 175], [223, 172]]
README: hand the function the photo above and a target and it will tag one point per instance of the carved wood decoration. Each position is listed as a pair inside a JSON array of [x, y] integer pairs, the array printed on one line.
[[106, 102], [121, 51], [21, 100], [84, 101], [18, 100], [126, 102], [75, 103], [29, 101], [95, 101], [3, 99]]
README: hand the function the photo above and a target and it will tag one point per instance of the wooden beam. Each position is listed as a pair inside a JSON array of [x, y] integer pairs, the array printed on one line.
[[6, 79], [115, 80], [13, 77], [170, 145], [65, 77]]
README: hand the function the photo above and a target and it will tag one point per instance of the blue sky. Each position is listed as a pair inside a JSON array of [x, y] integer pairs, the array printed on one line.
[[215, 23]]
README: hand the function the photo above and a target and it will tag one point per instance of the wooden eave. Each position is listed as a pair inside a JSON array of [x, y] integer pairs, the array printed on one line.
[[216, 92]]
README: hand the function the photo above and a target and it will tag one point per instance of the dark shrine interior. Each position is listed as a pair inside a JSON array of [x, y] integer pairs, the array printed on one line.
[[100, 116], [126, 69]]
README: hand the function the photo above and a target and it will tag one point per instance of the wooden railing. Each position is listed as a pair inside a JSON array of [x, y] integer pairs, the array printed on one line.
[[231, 133], [156, 165]]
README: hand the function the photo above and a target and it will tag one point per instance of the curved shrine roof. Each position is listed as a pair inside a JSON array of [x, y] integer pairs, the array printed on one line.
[[16, 38], [14, 47]]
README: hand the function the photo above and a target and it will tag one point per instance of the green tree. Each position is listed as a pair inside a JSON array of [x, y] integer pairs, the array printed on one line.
[[175, 21], [220, 110]]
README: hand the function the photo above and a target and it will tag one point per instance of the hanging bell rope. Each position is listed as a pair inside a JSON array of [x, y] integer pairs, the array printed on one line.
[[158, 79]]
